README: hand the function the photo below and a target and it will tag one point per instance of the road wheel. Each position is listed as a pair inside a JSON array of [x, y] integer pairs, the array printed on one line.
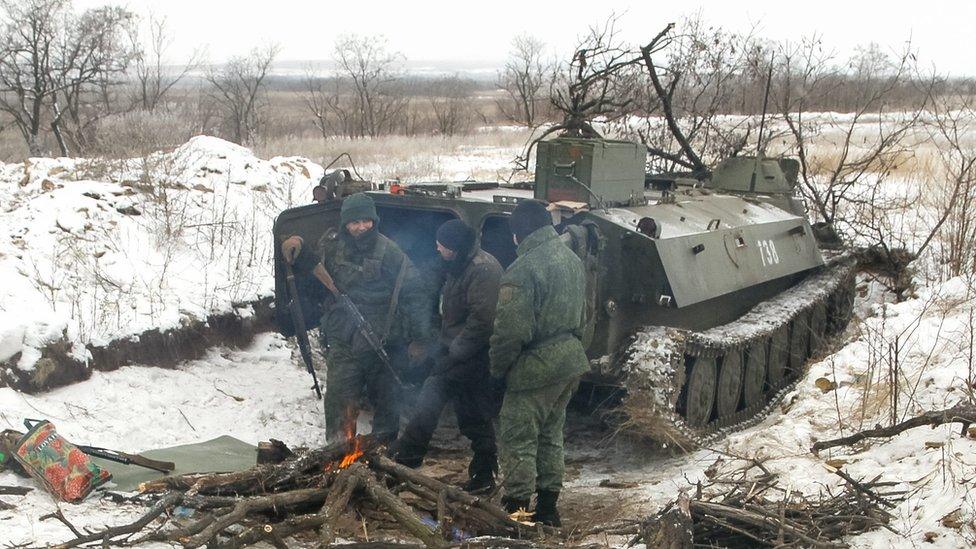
[[729, 391], [818, 328], [701, 392], [755, 373], [779, 357], [799, 343]]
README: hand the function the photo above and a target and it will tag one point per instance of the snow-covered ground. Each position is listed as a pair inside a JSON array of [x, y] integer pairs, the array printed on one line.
[[252, 394], [75, 258], [103, 250]]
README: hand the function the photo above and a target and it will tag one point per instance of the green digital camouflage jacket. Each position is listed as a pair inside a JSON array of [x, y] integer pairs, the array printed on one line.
[[366, 269], [540, 316]]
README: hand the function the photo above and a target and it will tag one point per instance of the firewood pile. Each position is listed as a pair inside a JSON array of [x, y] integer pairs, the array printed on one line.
[[751, 507], [342, 492]]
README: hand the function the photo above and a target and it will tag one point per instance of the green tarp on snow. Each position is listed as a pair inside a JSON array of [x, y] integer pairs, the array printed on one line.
[[221, 454]]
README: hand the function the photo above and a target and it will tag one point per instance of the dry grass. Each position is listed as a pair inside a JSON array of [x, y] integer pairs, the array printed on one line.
[[409, 157]]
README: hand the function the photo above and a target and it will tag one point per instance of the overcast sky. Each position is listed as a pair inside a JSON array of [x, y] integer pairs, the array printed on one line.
[[941, 30]]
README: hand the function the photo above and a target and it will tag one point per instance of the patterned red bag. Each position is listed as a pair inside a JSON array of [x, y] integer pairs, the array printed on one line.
[[57, 464]]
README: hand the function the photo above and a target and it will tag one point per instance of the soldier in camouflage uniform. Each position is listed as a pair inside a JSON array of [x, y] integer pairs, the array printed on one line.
[[381, 280], [537, 347]]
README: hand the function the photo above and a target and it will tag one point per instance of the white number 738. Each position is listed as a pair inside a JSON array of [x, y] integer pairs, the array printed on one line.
[[767, 252]]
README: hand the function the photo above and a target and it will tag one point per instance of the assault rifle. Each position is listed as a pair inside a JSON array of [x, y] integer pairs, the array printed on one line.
[[128, 459], [301, 335], [363, 326]]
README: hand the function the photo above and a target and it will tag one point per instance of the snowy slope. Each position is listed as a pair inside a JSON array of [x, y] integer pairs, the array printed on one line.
[[98, 250]]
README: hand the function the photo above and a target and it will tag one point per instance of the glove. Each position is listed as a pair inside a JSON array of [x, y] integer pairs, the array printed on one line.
[[416, 351], [291, 248], [443, 364]]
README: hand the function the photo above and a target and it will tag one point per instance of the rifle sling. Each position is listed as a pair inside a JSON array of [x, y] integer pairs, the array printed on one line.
[[395, 298]]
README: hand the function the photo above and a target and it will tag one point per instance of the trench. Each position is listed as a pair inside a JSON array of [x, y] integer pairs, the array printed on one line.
[[58, 367]]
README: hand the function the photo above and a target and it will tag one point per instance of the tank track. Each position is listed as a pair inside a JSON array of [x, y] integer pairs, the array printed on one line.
[[688, 388]]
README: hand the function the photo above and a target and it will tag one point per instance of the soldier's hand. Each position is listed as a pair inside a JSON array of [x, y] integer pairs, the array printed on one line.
[[291, 247], [417, 351]]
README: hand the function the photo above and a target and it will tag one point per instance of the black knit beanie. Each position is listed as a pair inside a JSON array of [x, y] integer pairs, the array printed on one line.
[[356, 207], [528, 217], [457, 236]]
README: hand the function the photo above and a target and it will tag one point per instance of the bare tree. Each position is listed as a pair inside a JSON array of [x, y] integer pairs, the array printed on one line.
[[89, 90], [449, 99], [153, 76], [58, 69], [525, 80], [953, 195], [31, 31], [238, 87], [598, 83], [373, 71], [695, 74], [330, 108], [831, 182]]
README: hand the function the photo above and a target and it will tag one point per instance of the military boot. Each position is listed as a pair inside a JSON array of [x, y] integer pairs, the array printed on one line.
[[545, 508], [481, 474], [405, 454]]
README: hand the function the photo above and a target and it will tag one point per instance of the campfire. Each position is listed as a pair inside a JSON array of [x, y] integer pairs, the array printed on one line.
[[351, 491], [343, 484]]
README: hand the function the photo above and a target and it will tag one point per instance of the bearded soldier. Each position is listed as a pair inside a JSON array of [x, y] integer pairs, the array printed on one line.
[[383, 284], [536, 346]]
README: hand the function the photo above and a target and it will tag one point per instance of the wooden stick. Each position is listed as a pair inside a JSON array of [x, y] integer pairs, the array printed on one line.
[[862, 489], [961, 413], [341, 491], [274, 533], [398, 509], [761, 519], [261, 478], [215, 525], [501, 518], [105, 536]]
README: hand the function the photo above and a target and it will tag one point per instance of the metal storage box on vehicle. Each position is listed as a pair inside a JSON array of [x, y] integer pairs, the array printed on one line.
[[611, 170]]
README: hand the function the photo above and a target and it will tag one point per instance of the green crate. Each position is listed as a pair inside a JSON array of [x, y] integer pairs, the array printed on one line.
[[613, 171]]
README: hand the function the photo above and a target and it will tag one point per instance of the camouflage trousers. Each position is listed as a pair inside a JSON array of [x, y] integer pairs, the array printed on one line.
[[530, 438], [348, 376]]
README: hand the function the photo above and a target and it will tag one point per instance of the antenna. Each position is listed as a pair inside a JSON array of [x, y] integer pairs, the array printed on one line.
[[762, 127], [762, 121]]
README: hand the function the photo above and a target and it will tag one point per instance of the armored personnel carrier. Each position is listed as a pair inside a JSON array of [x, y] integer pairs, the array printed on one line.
[[705, 296]]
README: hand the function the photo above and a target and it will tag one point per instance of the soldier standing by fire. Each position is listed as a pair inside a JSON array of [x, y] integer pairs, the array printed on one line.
[[537, 348], [460, 373], [383, 284]]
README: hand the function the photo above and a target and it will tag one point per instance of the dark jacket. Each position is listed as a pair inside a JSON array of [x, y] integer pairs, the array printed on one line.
[[366, 269], [539, 322], [468, 301]]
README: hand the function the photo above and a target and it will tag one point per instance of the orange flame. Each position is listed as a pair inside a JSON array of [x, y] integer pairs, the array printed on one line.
[[356, 452], [351, 457]]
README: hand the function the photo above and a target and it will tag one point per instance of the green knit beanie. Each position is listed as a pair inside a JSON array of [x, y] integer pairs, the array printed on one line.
[[356, 207]]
